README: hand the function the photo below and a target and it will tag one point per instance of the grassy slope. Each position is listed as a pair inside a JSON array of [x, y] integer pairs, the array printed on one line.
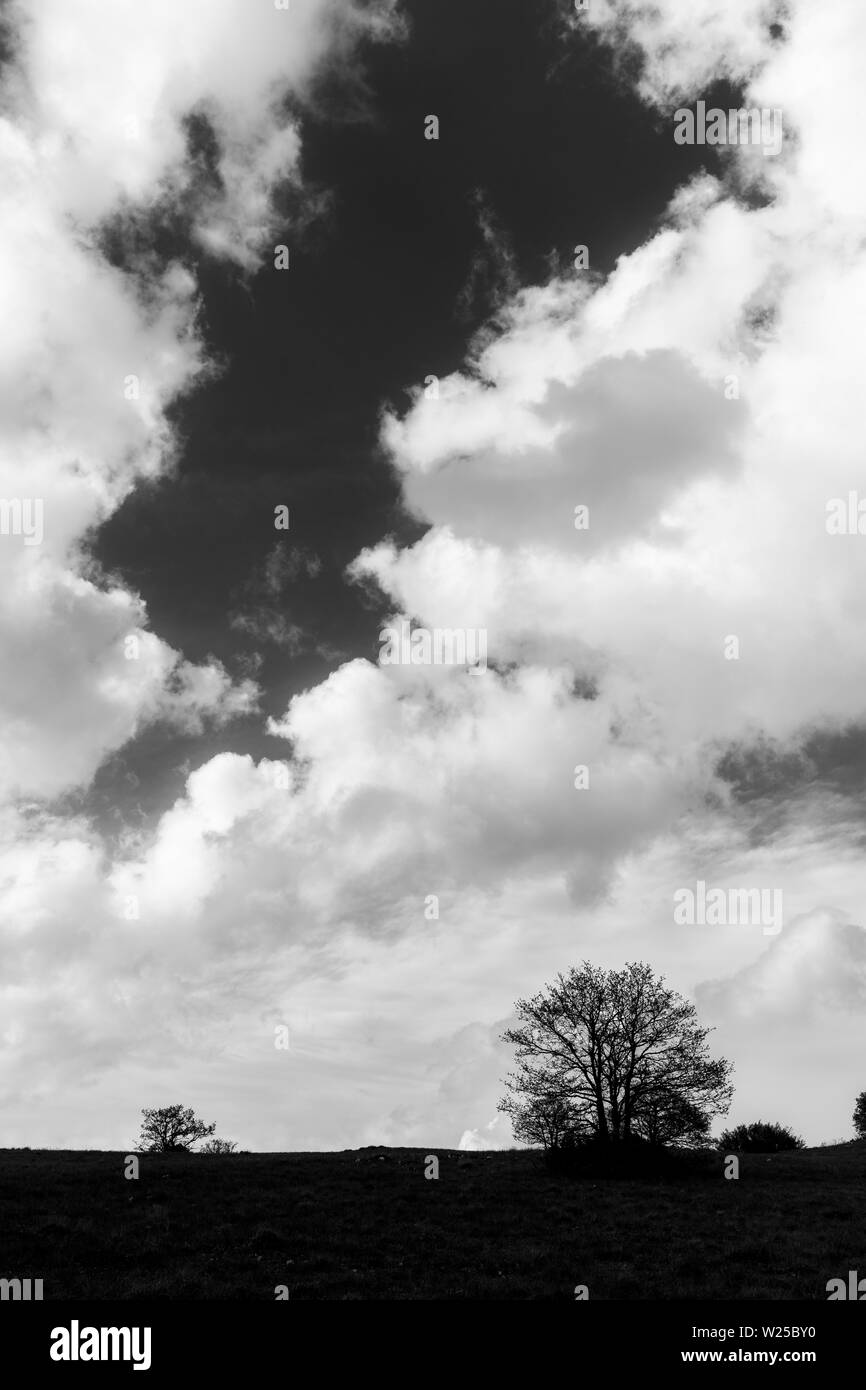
[[352, 1225]]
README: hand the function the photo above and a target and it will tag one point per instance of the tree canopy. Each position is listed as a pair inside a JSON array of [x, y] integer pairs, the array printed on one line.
[[171, 1128], [613, 1054]]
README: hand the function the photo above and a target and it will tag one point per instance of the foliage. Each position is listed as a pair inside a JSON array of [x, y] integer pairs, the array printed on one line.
[[613, 1055], [761, 1137], [170, 1129]]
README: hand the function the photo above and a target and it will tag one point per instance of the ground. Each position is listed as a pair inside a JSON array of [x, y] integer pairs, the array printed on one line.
[[366, 1224]]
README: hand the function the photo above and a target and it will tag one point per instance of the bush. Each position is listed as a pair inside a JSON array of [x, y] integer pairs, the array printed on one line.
[[760, 1138], [219, 1146], [860, 1116]]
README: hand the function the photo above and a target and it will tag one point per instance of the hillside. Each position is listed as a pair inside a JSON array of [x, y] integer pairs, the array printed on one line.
[[366, 1224]]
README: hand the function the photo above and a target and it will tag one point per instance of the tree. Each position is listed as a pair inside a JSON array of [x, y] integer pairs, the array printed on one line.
[[760, 1138], [218, 1146], [622, 1052], [547, 1120], [860, 1116], [669, 1118], [171, 1129]]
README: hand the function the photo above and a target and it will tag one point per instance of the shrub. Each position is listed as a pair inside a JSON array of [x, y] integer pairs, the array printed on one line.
[[760, 1138]]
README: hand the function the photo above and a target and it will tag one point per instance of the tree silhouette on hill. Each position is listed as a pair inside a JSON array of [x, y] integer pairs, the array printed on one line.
[[612, 1055]]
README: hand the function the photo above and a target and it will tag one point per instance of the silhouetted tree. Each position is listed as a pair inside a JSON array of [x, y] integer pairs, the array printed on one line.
[[623, 1052], [668, 1118], [548, 1120], [860, 1116], [760, 1138], [170, 1129]]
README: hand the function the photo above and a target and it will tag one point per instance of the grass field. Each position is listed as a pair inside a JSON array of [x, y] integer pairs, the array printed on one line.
[[368, 1225]]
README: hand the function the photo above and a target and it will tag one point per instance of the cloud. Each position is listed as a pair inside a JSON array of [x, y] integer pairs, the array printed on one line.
[[99, 102], [94, 126], [118, 137], [260, 605], [684, 47], [704, 401], [625, 439], [494, 1135], [817, 967], [492, 277], [793, 1020]]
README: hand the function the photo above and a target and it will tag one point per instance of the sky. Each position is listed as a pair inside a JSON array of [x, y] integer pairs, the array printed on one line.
[[224, 821]]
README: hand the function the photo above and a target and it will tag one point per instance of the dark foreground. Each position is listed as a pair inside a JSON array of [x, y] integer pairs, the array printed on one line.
[[366, 1224]]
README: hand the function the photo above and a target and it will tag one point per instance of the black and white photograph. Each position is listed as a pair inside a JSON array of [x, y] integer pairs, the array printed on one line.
[[432, 670]]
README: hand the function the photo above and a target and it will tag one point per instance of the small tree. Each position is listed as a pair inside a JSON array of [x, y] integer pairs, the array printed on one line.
[[669, 1118], [218, 1146], [860, 1116], [760, 1138], [546, 1120], [171, 1129]]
